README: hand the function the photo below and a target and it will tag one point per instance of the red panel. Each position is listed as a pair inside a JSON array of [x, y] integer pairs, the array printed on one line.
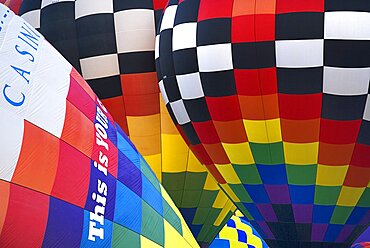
[[209, 9], [116, 107], [256, 82], [265, 27], [159, 4], [300, 107], [4, 193], [112, 155], [285, 6], [26, 218], [339, 132], [300, 131], [79, 79], [139, 105], [73, 176], [231, 132], [215, 173], [243, 29], [81, 99], [361, 155], [330, 154], [224, 108], [357, 176], [217, 153], [139, 84], [201, 154], [206, 132]]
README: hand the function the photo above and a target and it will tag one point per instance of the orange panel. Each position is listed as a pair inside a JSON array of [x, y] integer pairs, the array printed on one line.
[[300, 131], [4, 192], [244, 7], [217, 153], [331, 154], [265, 7], [251, 107], [231, 131], [38, 161], [139, 84], [357, 176], [139, 105], [78, 130]]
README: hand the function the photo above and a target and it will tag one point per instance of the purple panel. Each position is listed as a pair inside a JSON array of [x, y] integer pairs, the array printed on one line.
[[267, 212], [364, 237], [266, 229], [318, 232], [278, 194], [302, 213], [344, 234], [129, 174]]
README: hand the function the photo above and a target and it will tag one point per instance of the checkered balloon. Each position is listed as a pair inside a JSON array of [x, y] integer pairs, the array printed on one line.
[[273, 96]]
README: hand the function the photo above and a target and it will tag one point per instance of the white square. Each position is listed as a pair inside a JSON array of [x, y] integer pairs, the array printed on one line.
[[367, 109], [88, 7], [156, 49], [168, 17], [163, 91], [184, 36], [33, 18], [299, 53], [190, 86], [347, 25], [179, 110], [346, 81], [100, 66], [134, 36], [215, 58], [45, 3]]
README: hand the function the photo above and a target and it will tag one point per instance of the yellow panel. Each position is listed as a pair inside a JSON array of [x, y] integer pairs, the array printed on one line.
[[193, 163], [211, 183], [230, 192], [174, 153], [228, 233], [331, 175], [239, 153], [238, 214], [167, 125], [241, 226], [220, 200], [148, 243], [256, 131], [229, 207], [301, 154], [228, 173], [349, 196], [144, 125], [173, 238], [147, 145], [274, 130], [254, 240], [155, 163]]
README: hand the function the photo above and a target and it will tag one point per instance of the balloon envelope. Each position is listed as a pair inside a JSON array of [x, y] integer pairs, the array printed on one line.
[[112, 44], [273, 96], [69, 176]]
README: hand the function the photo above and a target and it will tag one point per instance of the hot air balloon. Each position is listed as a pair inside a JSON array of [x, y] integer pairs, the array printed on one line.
[[14, 5], [69, 176], [112, 44], [363, 240], [273, 97], [238, 232]]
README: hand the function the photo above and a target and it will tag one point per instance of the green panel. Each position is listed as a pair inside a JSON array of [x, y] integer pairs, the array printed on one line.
[[171, 217], [272, 153], [201, 216], [241, 192], [173, 181], [190, 199], [176, 196], [207, 198], [365, 199], [123, 237], [148, 173], [327, 195], [340, 215], [195, 180], [209, 233], [301, 174], [248, 174], [152, 225]]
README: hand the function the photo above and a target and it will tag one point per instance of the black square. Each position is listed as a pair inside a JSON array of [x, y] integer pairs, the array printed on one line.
[[29, 5], [136, 62], [165, 54], [185, 61], [187, 11], [300, 80], [197, 109], [172, 89], [190, 133], [214, 31], [107, 87], [347, 53], [343, 108], [284, 212], [137, 4], [300, 25], [216, 84], [364, 134], [345, 5], [254, 55], [96, 35], [284, 231]]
